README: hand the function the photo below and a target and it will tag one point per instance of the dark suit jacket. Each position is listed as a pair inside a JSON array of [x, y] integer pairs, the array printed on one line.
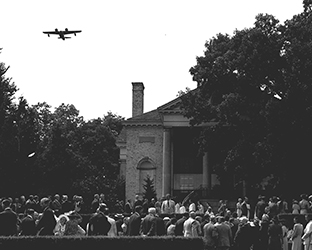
[[46, 223], [178, 231], [28, 226], [99, 224], [8, 222], [160, 226], [148, 225], [134, 224]]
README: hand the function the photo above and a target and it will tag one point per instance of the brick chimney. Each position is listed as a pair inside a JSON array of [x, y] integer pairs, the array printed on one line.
[[137, 98]]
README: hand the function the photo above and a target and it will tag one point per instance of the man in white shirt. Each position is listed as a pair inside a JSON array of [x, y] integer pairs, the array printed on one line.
[[168, 205], [306, 237]]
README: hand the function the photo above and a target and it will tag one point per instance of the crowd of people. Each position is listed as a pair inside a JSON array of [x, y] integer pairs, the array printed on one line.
[[239, 228]]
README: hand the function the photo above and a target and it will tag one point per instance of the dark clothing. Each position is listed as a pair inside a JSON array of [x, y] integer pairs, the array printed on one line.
[[275, 233], [179, 226], [246, 236], [160, 226], [67, 206], [260, 208], [94, 205], [134, 224], [46, 223], [99, 224], [28, 226], [148, 225], [8, 222]]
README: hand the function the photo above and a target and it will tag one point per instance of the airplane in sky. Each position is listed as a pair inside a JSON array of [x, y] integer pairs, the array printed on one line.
[[62, 33]]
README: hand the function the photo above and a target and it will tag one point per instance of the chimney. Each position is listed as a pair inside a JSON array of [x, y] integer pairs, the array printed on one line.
[[137, 98]]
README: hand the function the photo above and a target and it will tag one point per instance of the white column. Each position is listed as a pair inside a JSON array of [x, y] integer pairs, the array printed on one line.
[[166, 176]]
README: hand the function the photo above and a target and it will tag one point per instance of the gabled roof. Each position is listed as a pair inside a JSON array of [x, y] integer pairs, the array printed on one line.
[[151, 118]]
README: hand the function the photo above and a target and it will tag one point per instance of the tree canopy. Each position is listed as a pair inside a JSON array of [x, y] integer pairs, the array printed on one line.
[[255, 90], [45, 151]]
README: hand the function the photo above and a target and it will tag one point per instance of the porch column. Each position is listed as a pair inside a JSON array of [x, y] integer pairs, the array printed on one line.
[[166, 188], [206, 175]]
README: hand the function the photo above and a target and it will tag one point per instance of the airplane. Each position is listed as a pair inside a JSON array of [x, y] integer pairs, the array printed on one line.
[[62, 33]]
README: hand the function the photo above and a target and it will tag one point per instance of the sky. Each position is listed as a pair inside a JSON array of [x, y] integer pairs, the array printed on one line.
[[122, 41]]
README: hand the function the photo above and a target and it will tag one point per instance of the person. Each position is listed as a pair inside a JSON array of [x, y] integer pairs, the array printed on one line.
[[171, 227], [282, 205], [98, 223], [67, 205], [200, 208], [307, 233], [275, 233], [192, 206], [28, 225], [225, 238], [245, 208], [56, 205], [113, 229], [260, 207], [295, 207], [168, 205], [72, 226], [188, 225], [304, 204], [8, 220], [197, 227], [295, 237], [60, 225], [245, 236], [119, 221], [135, 222], [178, 231], [137, 201], [148, 224], [47, 221], [210, 233], [128, 207], [95, 203], [284, 236], [160, 226]]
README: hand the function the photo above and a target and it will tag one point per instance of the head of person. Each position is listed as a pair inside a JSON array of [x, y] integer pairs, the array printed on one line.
[[44, 202], [63, 219], [192, 214], [152, 211], [138, 209], [6, 203]]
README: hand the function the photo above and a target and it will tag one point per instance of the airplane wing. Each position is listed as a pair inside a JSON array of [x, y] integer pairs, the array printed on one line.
[[66, 32], [51, 32]]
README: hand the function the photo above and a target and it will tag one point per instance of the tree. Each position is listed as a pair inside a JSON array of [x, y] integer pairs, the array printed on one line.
[[149, 188], [256, 87]]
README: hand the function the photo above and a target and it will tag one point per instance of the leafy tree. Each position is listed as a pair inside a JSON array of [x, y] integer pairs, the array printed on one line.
[[149, 188], [256, 87]]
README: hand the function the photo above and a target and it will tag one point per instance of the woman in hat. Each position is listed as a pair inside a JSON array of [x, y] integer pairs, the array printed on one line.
[[60, 225]]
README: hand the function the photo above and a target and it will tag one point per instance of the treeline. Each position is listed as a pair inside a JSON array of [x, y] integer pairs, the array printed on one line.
[[45, 151]]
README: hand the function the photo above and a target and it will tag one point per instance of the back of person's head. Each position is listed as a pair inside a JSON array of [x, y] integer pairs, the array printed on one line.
[[6, 203], [152, 210], [102, 207], [138, 209], [192, 214]]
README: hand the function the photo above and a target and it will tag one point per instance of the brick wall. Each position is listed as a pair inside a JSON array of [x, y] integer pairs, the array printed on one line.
[[143, 142]]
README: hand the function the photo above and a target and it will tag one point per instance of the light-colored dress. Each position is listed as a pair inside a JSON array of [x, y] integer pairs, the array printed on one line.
[[296, 237], [285, 240]]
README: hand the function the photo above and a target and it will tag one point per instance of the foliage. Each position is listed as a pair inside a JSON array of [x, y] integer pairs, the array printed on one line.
[[46, 152], [149, 188], [256, 88]]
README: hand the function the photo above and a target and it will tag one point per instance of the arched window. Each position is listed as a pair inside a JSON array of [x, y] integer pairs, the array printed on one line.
[[147, 168]]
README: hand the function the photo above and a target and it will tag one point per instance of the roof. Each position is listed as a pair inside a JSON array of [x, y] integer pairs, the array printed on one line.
[[149, 118]]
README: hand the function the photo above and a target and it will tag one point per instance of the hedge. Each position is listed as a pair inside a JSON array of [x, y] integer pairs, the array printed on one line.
[[93, 242]]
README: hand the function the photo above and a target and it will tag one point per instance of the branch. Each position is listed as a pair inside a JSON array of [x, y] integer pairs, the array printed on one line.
[[4, 71]]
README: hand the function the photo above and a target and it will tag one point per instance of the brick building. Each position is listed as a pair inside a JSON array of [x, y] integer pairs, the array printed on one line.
[[159, 144]]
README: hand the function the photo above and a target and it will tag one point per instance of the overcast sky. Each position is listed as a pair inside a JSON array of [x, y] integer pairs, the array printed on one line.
[[154, 42]]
